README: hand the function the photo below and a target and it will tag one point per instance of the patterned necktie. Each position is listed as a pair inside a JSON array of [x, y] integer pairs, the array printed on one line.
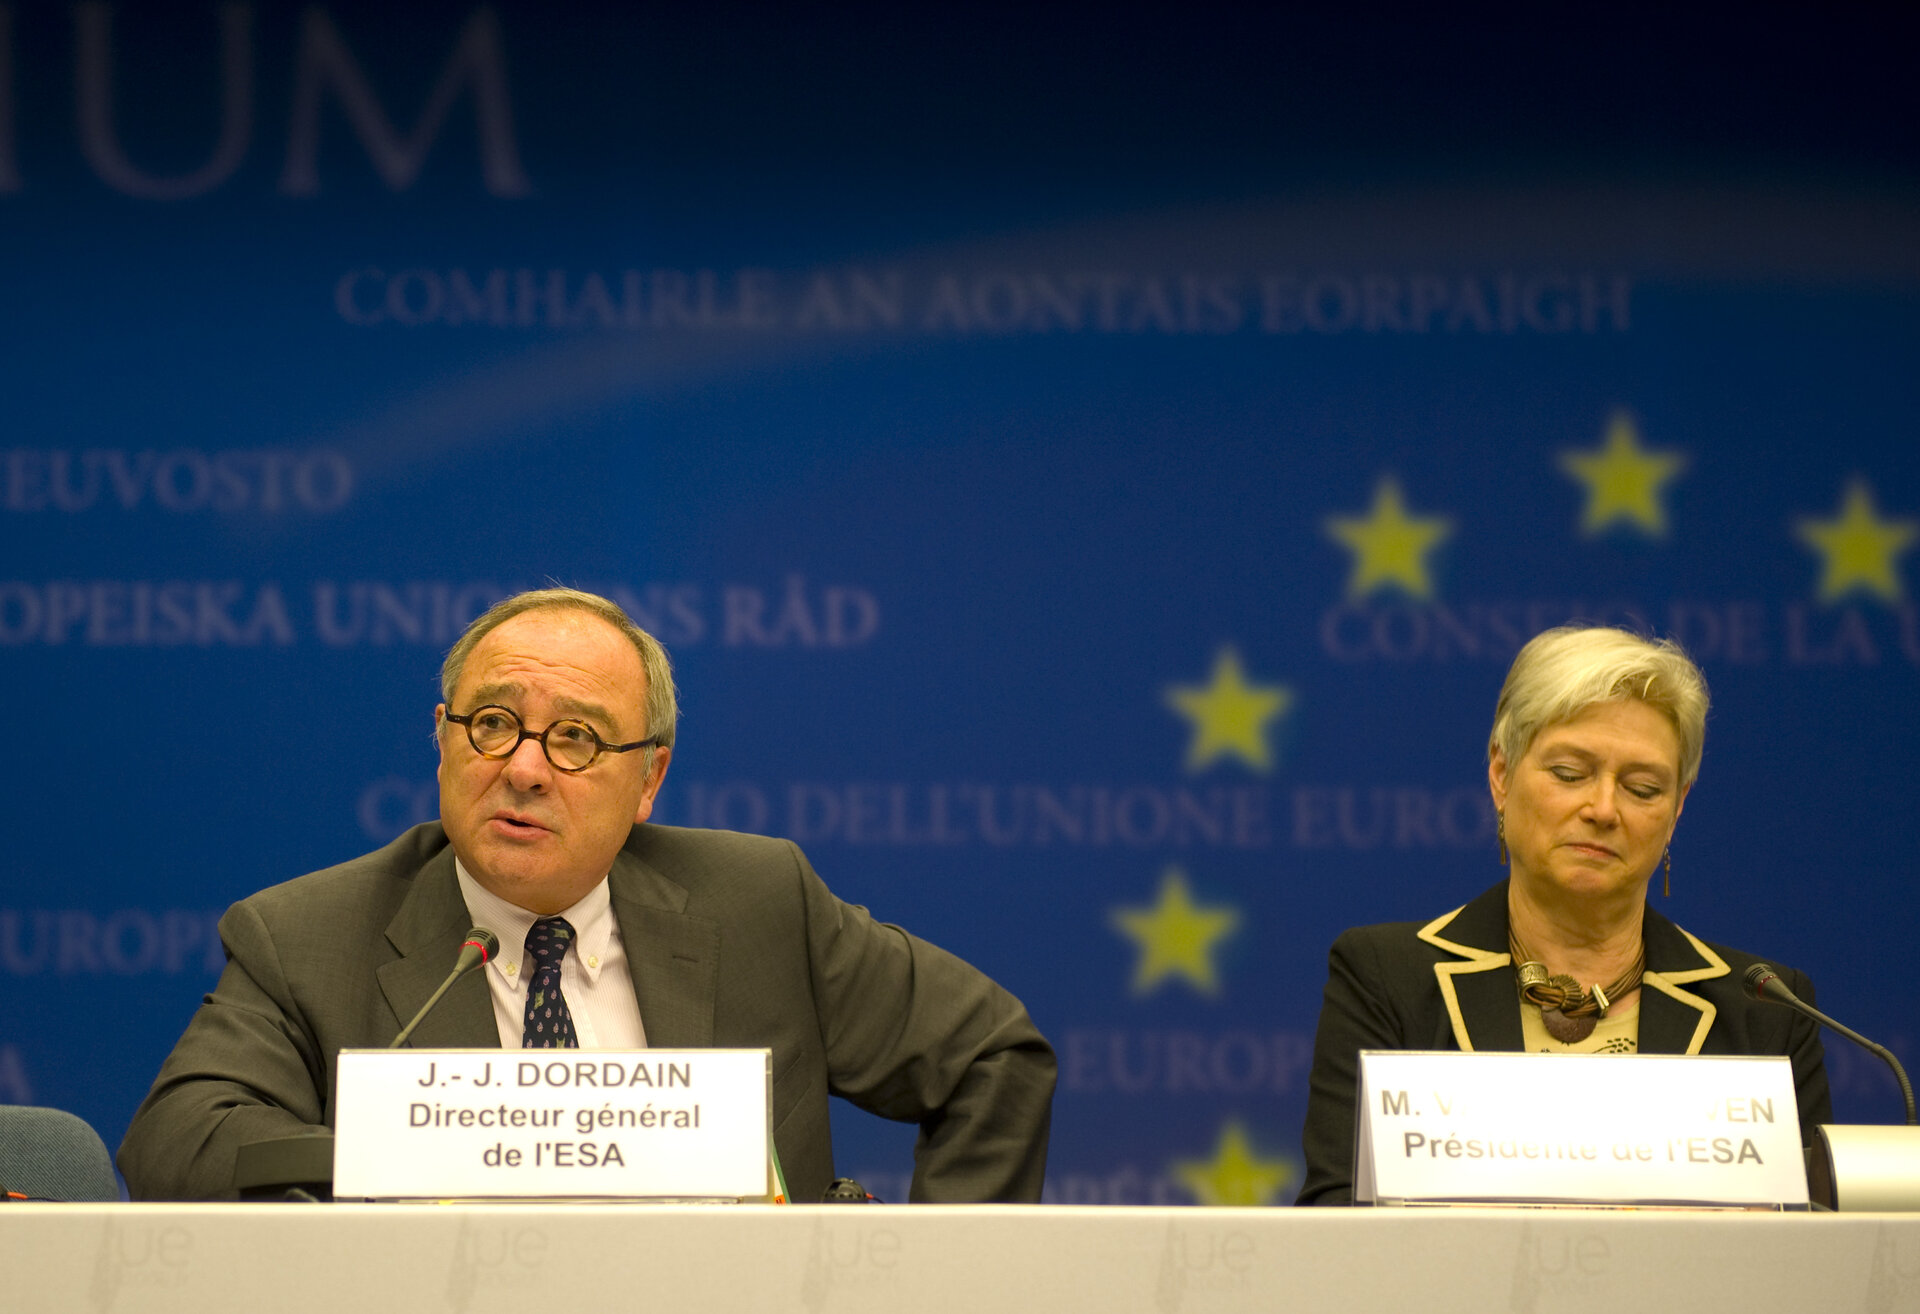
[[548, 1025]]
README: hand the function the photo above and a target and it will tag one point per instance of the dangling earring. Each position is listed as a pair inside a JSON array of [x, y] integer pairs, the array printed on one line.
[[1666, 881], [1500, 826]]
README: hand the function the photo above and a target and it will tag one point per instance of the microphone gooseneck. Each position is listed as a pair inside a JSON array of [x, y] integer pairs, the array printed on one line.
[[481, 945], [1764, 984]]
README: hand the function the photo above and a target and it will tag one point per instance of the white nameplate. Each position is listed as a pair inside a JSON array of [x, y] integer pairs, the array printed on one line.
[[624, 1123], [1593, 1128]]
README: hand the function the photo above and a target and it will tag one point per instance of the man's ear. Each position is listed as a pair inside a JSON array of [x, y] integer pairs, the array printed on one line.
[[655, 778]]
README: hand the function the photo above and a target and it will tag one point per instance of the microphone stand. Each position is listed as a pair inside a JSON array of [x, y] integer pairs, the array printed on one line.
[[1853, 1168], [300, 1167]]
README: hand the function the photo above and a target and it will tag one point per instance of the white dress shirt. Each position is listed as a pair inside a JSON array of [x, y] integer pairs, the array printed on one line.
[[593, 976]]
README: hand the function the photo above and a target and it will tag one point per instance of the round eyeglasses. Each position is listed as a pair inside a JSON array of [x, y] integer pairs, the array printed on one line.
[[498, 732]]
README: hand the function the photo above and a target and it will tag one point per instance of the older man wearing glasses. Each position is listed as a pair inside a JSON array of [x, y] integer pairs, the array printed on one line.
[[554, 738]]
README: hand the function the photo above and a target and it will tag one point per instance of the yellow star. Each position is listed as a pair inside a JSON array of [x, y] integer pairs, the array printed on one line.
[[1859, 547], [1389, 546], [1623, 480], [1176, 937], [1229, 715], [1236, 1175]]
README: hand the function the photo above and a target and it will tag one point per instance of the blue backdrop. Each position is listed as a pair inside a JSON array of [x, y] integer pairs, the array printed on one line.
[[1091, 471]]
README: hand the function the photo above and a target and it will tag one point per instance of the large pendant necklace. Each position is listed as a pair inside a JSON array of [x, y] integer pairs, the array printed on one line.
[[1568, 1012]]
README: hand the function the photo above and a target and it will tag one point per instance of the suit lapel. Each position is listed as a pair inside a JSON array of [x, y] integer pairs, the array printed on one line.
[[1480, 1000], [674, 957], [427, 932], [1478, 990], [1674, 1020]]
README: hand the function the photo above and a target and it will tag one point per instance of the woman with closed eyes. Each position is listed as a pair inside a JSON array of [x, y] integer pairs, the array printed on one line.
[[1596, 741]]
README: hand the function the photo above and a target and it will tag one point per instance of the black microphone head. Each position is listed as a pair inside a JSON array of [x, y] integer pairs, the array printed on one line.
[[1757, 979]]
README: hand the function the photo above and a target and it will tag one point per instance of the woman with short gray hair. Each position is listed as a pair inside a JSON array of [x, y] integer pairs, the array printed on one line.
[[1596, 741]]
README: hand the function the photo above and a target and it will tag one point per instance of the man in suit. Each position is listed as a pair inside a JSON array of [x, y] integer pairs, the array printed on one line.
[[554, 737]]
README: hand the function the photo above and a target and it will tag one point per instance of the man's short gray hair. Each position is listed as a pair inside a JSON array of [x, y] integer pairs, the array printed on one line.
[[1562, 672], [662, 709]]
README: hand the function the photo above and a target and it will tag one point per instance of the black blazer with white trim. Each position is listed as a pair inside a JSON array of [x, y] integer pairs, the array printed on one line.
[[1448, 984]]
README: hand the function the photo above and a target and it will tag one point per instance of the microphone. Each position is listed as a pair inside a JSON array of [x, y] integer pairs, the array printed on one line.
[[1764, 984], [481, 945], [300, 1167]]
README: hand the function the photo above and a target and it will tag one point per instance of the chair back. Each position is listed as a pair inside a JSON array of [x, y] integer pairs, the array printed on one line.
[[49, 1154]]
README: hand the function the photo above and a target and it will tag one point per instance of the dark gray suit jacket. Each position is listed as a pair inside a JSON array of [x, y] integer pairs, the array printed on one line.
[[1448, 984], [733, 941]]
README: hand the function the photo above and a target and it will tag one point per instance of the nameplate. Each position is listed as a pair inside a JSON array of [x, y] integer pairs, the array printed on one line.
[[1577, 1128], [552, 1123]]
